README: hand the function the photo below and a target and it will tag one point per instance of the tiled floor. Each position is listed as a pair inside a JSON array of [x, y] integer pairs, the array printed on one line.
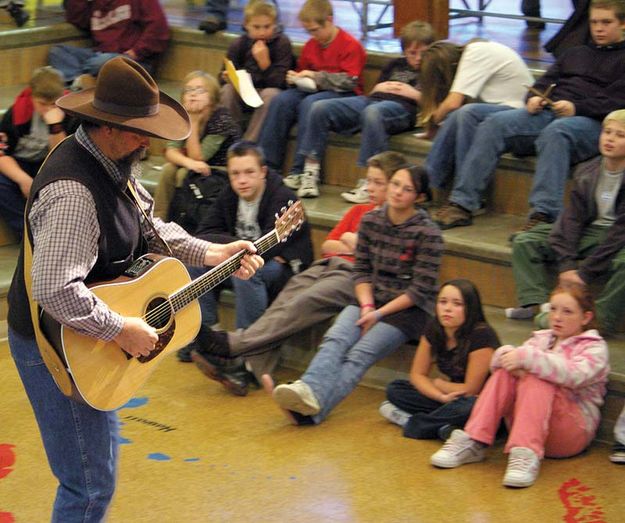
[[233, 459]]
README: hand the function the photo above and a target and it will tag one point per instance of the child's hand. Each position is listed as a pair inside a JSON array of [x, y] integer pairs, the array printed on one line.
[[535, 104], [571, 276], [451, 396], [291, 76], [563, 108], [510, 361], [368, 318], [260, 52], [195, 108], [199, 167]]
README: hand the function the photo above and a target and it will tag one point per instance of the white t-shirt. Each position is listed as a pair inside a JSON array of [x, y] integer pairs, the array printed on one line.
[[492, 73]]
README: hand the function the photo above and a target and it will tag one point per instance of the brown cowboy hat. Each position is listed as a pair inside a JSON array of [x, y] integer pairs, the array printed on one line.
[[126, 96]]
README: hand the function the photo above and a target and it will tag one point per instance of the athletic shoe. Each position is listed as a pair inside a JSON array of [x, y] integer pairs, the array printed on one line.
[[309, 185], [358, 194], [618, 454], [458, 450], [211, 24], [292, 181], [520, 313], [394, 414], [523, 467], [297, 397]]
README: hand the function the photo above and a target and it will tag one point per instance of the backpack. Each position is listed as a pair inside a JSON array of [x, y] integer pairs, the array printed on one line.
[[194, 198]]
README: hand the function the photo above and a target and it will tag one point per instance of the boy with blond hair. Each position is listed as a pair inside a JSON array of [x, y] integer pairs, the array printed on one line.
[[587, 242], [266, 54], [330, 66], [29, 129]]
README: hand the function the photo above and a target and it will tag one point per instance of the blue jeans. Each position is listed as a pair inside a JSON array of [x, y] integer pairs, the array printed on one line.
[[74, 61], [454, 140], [427, 415], [217, 8], [344, 356], [557, 142], [251, 296], [377, 119], [286, 109], [81, 443]]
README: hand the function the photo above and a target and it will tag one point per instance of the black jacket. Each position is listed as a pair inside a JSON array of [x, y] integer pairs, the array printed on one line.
[[219, 225], [591, 77], [579, 214]]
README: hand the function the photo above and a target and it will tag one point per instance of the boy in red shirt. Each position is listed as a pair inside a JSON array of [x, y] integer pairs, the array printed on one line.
[[137, 29], [330, 66]]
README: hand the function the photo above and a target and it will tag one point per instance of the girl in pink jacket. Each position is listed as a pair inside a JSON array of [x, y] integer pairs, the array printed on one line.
[[549, 390]]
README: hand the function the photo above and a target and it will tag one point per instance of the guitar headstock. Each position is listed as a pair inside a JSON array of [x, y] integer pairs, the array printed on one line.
[[290, 219]]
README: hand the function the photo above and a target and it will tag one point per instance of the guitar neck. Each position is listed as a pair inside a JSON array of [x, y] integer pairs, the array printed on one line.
[[219, 273]]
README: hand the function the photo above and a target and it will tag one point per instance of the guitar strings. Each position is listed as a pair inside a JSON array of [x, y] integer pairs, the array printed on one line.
[[197, 288]]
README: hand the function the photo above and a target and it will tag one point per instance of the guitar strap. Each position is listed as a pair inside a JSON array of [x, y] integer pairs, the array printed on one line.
[[137, 202], [53, 362]]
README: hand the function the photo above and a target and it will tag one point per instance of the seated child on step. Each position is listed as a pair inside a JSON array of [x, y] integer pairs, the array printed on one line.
[[213, 131], [549, 391], [461, 343]]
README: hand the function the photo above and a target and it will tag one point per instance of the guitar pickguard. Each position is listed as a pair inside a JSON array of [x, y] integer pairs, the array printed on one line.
[[163, 340]]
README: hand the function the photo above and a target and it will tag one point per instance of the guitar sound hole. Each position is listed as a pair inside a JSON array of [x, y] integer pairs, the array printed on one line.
[[158, 313]]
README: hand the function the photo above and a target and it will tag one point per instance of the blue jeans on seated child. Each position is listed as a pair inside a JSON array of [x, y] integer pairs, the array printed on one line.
[[377, 119], [286, 109], [557, 142], [454, 139], [73, 61], [345, 355], [81, 443], [427, 415]]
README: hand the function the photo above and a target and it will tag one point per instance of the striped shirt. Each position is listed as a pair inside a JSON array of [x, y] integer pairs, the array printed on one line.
[[399, 258], [65, 230]]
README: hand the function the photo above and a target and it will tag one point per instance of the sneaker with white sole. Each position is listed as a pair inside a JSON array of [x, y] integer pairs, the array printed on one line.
[[292, 181], [458, 450], [309, 187], [394, 414], [358, 194], [618, 454], [520, 313], [523, 468], [297, 397]]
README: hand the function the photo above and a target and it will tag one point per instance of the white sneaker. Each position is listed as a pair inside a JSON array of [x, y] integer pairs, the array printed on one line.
[[308, 186], [292, 181], [394, 414], [359, 194], [298, 397], [523, 467], [458, 450]]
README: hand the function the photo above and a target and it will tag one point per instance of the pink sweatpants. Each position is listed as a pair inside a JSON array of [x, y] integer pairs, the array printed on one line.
[[540, 416]]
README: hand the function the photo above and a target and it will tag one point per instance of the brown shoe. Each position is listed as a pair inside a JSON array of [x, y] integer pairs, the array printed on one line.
[[533, 221], [452, 215]]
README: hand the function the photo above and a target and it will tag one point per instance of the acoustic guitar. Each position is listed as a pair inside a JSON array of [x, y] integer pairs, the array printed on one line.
[[159, 290]]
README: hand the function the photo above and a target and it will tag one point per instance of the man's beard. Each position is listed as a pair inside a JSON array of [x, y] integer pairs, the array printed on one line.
[[134, 157]]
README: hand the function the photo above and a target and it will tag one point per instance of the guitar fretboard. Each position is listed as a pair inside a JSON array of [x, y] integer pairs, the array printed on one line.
[[219, 273]]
